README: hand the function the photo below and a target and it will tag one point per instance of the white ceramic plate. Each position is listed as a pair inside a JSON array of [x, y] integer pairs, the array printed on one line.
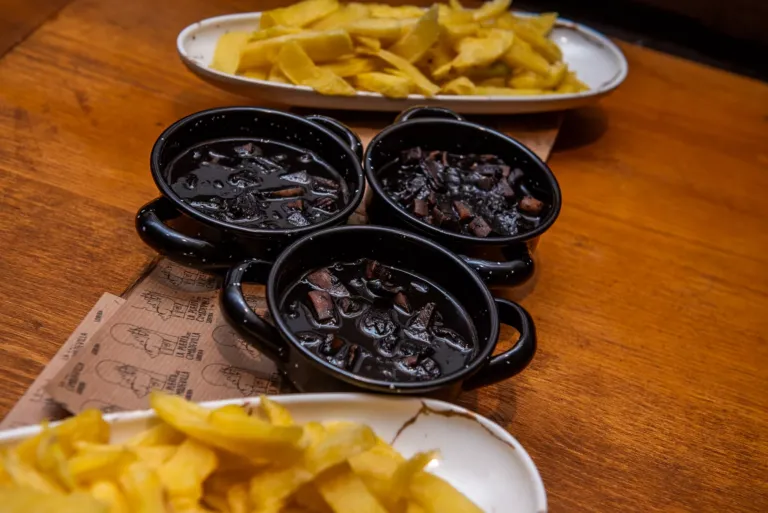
[[595, 59], [479, 457]]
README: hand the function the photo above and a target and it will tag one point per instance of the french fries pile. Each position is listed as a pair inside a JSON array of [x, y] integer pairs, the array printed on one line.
[[225, 460], [337, 49]]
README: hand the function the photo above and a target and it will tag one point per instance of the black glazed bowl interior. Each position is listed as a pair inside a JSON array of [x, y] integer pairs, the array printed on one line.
[[397, 249], [252, 122], [462, 137]]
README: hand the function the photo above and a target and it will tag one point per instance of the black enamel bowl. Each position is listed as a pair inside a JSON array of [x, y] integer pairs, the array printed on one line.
[[310, 373], [209, 244], [499, 260]]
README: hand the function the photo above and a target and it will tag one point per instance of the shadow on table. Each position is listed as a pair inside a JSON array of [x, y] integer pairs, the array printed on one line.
[[496, 402], [581, 127]]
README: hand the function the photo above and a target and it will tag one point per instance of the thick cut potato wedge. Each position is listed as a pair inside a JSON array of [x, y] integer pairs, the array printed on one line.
[[414, 44], [226, 57], [521, 56], [299, 68], [342, 17], [320, 47], [460, 85], [389, 85], [387, 31], [422, 83], [299, 14], [388, 11], [351, 67], [345, 492]]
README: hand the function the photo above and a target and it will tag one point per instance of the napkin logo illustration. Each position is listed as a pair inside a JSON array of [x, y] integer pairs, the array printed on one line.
[[163, 305], [151, 342], [100, 405], [182, 278], [235, 378], [136, 379], [233, 344]]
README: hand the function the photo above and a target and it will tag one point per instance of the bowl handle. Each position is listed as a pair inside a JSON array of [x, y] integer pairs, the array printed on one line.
[[181, 248], [427, 112], [514, 271], [338, 128], [241, 317], [511, 361]]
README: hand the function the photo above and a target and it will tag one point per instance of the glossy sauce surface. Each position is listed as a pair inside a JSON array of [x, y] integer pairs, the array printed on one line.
[[478, 195], [257, 183], [380, 322]]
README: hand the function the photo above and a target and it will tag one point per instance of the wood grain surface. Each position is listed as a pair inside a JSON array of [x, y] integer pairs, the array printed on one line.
[[648, 392]]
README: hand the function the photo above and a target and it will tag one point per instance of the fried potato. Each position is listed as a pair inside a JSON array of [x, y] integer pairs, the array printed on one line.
[[88, 426], [338, 443], [388, 11], [298, 14], [299, 68], [143, 489], [226, 57], [183, 475], [253, 438], [109, 494], [52, 460], [25, 475], [385, 30], [228, 460], [543, 23], [345, 492], [434, 495], [422, 83], [31, 501], [440, 55], [308, 498], [459, 86], [455, 32], [155, 455], [366, 43], [571, 84], [505, 91], [256, 73], [270, 490], [94, 462], [320, 47], [491, 9], [407, 470], [388, 85], [237, 498], [449, 16], [275, 75], [277, 414], [414, 44], [530, 80], [342, 17], [521, 56], [474, 52], [545, 47], [351, 67], [159, 434], [350, 46], [276, 31]]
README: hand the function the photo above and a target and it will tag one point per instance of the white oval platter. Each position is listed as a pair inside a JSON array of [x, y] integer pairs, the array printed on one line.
[[478, 456], [596, 60]]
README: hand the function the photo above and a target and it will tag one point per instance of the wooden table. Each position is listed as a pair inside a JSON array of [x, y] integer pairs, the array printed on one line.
[[648, 392]]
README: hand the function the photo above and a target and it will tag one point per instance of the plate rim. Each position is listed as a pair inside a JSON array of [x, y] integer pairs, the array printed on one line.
[[594, 93], [13, 435]]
